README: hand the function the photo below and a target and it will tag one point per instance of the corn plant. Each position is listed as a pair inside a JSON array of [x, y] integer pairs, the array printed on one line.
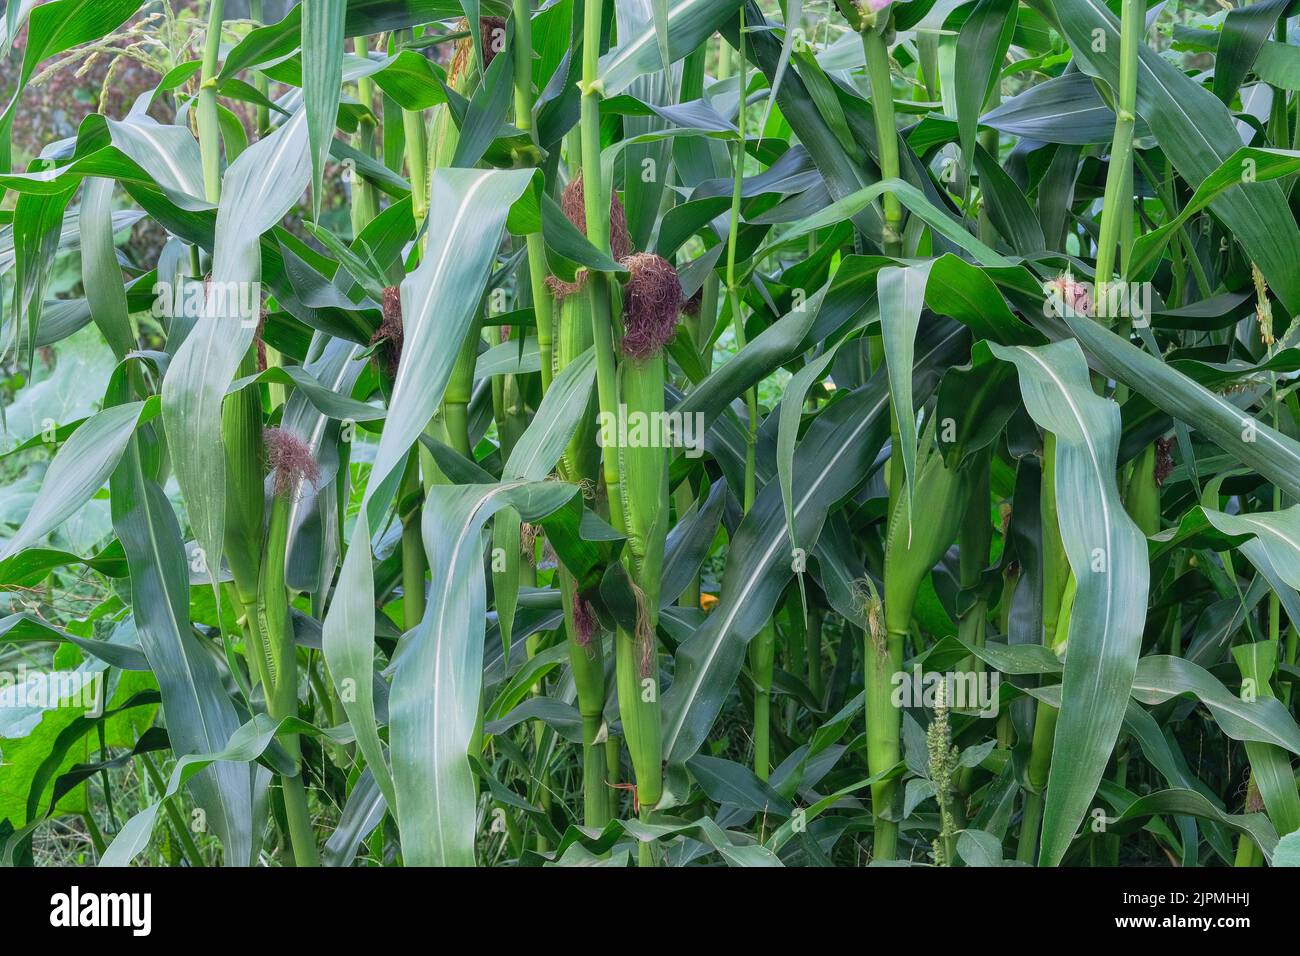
[[694, 433]]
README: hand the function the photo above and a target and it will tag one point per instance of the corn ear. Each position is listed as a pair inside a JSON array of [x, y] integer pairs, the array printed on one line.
[[638, 706], [1142, 496], [644, 488], [581, 460], [587, 663], [644, 470], [241, 432], [912, 548]]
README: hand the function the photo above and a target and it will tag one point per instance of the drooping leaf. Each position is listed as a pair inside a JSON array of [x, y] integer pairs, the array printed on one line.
[[1107, 554]]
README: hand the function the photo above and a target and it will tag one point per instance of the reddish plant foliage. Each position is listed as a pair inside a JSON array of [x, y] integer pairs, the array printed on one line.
[[692, 305], [1164, 460], [584, 621], [389, 334], [652, 301], [290, 459], [261, 342], [573, 203], [492, 34], [1071, 294]]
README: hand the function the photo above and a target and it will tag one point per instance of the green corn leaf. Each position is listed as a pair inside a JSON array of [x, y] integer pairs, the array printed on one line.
[[258, 189], [247, 743], [1240, 434], [901, 292], [1270, 766], [1108, 556], [1197, 134], [322, 75], [53, 28], [793, 28], [100, 275], [200, 715], [79, 470], [435, 696], [835, 455], [981, 47], [439, 301], [1245, 30], [1246, 165], [683, 26]]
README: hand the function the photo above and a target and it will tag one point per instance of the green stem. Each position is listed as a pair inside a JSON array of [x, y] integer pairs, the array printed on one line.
[[413, 556], [707, 319], [884, 652], [598, 234], [882, 110], [589, 129], [537, 268], [209, 126], [635, 655], [416, 160], [646, 849], [595, 795], [815, 682], [1030, 823], [365, 205], [456, 399], [587, 663], [262, 114], [1115, 205], [883, 659], [613, 766], [733, 288], [532, 645], [183, 835], [762, 655], [301, 835], [1110, 841], [104, 780], [282, 694], [92, 827], [762, 650]]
